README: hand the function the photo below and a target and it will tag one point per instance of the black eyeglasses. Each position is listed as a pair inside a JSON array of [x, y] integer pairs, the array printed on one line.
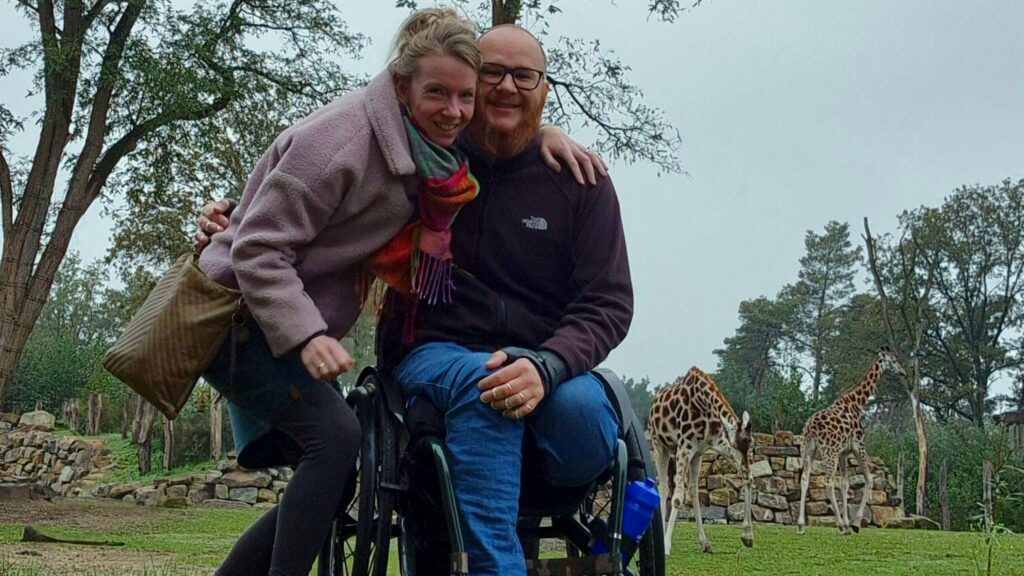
[[524, 78]]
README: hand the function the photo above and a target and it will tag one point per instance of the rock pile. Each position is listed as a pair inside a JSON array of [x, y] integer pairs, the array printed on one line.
[[776, 468]]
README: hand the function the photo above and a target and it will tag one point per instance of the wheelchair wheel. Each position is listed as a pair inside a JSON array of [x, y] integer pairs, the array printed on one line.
[[358, 542], [649, 556]]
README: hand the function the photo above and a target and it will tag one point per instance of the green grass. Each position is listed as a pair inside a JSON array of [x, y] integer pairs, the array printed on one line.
[[127, 470], [822, 551], [200, 539]]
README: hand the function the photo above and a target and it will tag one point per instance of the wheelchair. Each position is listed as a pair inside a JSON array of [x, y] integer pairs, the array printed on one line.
[[402, 475]]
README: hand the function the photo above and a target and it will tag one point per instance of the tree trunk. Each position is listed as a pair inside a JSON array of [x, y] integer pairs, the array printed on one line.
[[168, 444], [944, 494], [216, 425], [921, 505]]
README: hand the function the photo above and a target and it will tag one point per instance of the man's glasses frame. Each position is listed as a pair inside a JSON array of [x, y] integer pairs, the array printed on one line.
[[517, 78]]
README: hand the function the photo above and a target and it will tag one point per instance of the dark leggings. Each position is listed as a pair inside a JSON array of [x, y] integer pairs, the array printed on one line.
[[286, 540]]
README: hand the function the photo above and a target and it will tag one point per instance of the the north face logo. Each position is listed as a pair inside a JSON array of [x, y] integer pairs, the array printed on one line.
[[535, 223]]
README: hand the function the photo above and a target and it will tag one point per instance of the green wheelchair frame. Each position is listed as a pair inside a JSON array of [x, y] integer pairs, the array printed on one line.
[[359, 542]]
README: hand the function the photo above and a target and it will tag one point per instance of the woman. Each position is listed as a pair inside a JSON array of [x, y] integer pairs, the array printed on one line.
[[326, 196]]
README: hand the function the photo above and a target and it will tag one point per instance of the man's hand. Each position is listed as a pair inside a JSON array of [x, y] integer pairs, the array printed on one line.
[[556, 145], [211, 221], [325, 358], [516, 390]]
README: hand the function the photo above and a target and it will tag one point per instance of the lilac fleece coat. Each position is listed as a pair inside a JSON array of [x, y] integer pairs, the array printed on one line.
[[329, 192]]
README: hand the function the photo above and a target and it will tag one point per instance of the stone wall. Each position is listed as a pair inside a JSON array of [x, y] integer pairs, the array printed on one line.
[[32, 456], [65, 465], [226, 487], [70, 466], [776, 469]]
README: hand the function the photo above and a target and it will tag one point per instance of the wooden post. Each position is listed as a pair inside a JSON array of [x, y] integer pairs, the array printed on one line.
[[168, 444], [126, 416], [216, 424], [73, 414], [944, 494], [142, 434], [986, 486], [899, 481], [94, 410]]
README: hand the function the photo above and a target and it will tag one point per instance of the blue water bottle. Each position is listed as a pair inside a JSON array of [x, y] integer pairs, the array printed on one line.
[[641, 501]]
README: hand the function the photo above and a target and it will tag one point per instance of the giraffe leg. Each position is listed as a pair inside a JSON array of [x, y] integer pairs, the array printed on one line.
[[695, 492], [661, 456], [809, 446], [748, 524], [869, 485], [683, 454], [831, 463], [844, 494]]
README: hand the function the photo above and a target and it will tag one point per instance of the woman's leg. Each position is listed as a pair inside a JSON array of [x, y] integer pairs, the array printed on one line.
[[286, 540], [327, 430], [485, 449]]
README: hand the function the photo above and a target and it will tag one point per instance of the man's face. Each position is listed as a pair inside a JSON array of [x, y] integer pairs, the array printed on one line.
[[508, 117]]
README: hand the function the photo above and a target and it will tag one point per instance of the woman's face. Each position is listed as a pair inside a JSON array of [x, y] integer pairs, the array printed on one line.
[[440, 96]]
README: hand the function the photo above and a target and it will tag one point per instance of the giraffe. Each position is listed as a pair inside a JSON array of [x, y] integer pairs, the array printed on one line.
[[836, 432], [688, 418]]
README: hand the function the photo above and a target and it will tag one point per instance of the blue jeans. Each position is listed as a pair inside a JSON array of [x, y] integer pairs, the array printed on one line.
[[575, 431]]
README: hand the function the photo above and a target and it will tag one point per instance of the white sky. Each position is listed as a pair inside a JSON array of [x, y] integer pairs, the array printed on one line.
[[792, 114]]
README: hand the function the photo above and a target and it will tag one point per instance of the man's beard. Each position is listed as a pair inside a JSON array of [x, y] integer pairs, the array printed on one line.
[[505, 143]]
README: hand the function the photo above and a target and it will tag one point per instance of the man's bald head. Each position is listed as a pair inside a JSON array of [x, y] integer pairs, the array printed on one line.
[[507, 31]]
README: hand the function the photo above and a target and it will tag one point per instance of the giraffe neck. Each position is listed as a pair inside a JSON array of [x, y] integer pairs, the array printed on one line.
[[859, 395]]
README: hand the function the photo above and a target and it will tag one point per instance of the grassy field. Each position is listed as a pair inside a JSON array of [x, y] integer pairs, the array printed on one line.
[[172, 542]]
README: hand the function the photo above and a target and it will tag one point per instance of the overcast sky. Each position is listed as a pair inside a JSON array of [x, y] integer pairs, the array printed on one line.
[[792, 113]]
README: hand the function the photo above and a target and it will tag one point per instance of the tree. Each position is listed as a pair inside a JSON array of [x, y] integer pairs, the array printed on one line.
[[62, 357], [751, 355], [640, 396], [909, 277], [825, 283], [975, 243], [117, 75]]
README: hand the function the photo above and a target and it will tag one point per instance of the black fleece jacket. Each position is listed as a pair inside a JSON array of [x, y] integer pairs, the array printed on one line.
[[540, 264]]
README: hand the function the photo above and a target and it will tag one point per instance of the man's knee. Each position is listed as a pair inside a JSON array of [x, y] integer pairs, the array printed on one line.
[[578, 432]]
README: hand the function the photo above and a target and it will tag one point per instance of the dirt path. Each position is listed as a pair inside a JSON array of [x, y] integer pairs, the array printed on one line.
[[100, 516]]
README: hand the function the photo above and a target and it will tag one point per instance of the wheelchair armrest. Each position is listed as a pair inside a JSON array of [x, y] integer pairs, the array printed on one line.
[[629, 425]]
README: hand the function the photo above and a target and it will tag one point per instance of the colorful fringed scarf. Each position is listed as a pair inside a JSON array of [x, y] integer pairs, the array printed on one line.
[[418, 260]]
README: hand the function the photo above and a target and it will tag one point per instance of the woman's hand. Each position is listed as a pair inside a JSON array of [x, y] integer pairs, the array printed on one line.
[[213, 220], [325, 358], [556, 145]]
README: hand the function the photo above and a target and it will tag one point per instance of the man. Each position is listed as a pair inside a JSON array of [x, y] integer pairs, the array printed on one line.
[[542, 295]]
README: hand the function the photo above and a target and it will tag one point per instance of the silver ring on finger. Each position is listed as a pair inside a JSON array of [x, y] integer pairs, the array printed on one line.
[[515, 414], [522, 399], [507, 407]]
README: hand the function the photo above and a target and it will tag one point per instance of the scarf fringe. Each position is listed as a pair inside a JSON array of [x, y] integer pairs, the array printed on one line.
[[433, 279]]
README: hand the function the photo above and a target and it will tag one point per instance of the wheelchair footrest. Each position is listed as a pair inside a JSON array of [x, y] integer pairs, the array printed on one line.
[[584, 566]]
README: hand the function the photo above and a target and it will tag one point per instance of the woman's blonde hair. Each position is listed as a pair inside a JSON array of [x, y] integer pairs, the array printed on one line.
[[433, 31]]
